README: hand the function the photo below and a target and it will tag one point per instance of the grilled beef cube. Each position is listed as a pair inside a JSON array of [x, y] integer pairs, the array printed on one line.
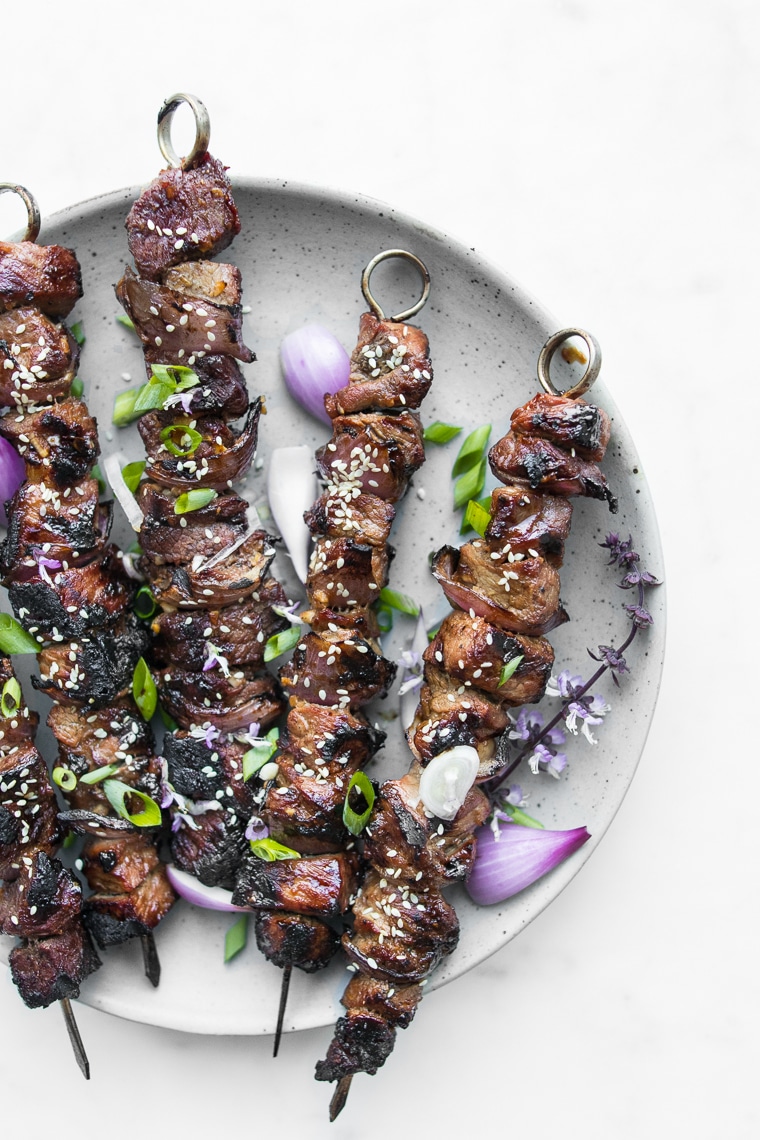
[[230, 576], [116, 918], [18, 728], [41, 900], [390, 368], [166, 536], [361, 622], [221, 386], [70, 603], [364, 517], [530, 522], [396, 1005], [544, 466], [113, 735], [211, 280], [373, 454], [222, 457], [211, 848], [230, 703], [238, 632], [183, 214], [474, 653], [344, 573], [314, 884], [362, 1043], [327, 670], [45, 970], [519, 597], [170, 320], [571, 424], [201, 771], [59, 523], [449, 715], [46, 276], [58, 444], [38, 359], [102, 668], [117, 865], [295, 940], [402, 836], [28, 810], [338, 739], [416, 936]]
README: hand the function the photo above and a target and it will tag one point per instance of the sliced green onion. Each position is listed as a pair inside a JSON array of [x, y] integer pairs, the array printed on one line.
[[439, 432], [117, 794], [98, 774], [401, 602], [510, 668], [131, 474], [97, 475], [179, 375], [270, 850], [168, 721], [260, 753], [123, 408], [236, 937], [385, 619], [471, 451], [152, 395], [194, 500], [77, 332], [185, 433], [70, 840], [519, 816], [476, 517], [469, 485], [145, 604], [77, 387], [433, 633], [123, 319], [280, 643], [135, 548], [14, 638], [10, 700], [64, 778], [353, 821], [144, 689]]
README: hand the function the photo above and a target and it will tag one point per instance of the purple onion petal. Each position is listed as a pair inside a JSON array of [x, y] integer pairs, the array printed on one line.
[[519, 857], [12, 474], [314, 363]]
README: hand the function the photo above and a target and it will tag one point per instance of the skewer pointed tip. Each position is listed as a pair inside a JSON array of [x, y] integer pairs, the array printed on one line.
[[151, 960], [281, 1012], [74, 1037], [340, 1096]]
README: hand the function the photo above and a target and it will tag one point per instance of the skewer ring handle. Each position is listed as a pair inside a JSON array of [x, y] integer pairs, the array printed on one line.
[[32, 209], [592, 368], [202, 130], [405, 256]]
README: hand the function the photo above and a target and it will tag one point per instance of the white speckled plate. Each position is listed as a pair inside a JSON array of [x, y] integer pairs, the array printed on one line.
[[301, 252]]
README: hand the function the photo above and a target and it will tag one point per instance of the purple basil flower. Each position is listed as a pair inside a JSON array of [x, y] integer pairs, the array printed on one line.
[[640, 617], [613, 659], [215, 658], [256, 828], [527, 727], [544, 759], [44, 564]]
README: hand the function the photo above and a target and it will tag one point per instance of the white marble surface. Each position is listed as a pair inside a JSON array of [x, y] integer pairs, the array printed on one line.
[[606, 155]]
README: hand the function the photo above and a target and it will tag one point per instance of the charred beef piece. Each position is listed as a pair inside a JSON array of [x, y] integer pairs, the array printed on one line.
[[319, 885], [230, 703], [28, 808], [371, 454], [364, 515], [221, 387], [362, 1042], [46, 970], [180, 324], [544, 466], [209, 280], [60, 524], [211, 848], [239, 632], [38, 359], [222, 456], [448, 714], [183, 215], [59, 445], [116, 918], [46, 276], [102, 668], [390, 369], [295, 940], [325, 669], [41, 901], [531, 522], [168, 537], [571, 424], [344, 573], [229, 576]]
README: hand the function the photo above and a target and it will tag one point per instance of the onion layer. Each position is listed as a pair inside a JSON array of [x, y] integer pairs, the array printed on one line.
[[447, 779], [291, 489], [210, 898], [12, 473], [314, 363], [519, 857]]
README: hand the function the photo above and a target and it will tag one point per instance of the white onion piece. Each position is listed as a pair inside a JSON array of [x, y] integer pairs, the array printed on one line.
[[127, 501], [314, 363], [292, 489], [408, 701], [211, 898], [12, 474], [515, 857], [447, 779]]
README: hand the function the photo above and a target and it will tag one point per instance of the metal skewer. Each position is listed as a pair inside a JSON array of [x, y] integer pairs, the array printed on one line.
[[340, 1096], [287, 971], [74, 1037], [151, 960]]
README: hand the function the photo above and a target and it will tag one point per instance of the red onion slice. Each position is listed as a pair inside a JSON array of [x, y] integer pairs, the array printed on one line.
[[519, 857], [210, 898], [12, 473], [314, 363]]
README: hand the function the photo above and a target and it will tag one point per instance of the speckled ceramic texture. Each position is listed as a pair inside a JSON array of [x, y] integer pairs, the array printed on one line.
[[301, 252]]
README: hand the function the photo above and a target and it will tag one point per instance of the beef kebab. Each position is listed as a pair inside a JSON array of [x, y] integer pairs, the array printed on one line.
[[204, 553], [420, 837], [337, 668], [70, 590]]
